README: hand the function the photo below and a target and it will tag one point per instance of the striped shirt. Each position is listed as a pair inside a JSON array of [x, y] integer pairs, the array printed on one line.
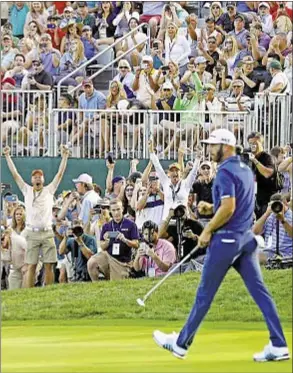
[[232, 107], [285, 242]]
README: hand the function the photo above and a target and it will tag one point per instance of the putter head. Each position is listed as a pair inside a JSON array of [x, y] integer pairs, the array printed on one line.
[[140, 302]]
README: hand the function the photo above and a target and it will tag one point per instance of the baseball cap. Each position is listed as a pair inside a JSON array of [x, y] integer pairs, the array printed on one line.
[[11, 198], [275, 65], [248, 59], [83, 178], [209, 86], [210, 19], [200, 59], [68, 9], [38, 171], [123, 105], [86, 28], [167, 85], [230, 4], [116, 179], [7, 36], [174, 165], [65, 193], [206, 163], [147, 59], [153, 175], [240, 16], [37, 60], [87, 82], [221, 136], [9, 81], [263, 3]]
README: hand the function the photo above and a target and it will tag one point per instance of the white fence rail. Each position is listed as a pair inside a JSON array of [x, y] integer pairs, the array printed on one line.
[[31, 127]]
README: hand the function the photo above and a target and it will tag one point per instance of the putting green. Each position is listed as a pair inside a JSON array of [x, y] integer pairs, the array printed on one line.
[[127, 346]]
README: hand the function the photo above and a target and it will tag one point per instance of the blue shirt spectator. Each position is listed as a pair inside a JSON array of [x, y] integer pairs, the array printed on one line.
[[235, 179], [81, 260], [91, 99], [270, 235], [17, 17]]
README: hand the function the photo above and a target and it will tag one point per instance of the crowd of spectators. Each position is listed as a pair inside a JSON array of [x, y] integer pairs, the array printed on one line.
[[140, 226], [215, 63]]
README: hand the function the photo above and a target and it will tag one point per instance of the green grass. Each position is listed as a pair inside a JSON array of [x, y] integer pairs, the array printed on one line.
[[100, 328], [117, 300], [127, 346]]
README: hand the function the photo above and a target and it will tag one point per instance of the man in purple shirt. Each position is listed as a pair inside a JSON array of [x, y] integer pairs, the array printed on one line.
[[49, 56], [239, 31], [155, 256], [118, 238], [262, 37]]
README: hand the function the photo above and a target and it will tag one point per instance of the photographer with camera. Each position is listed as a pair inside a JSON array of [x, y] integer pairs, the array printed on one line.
[[267, 178], [154, 256], [81, 246], [118, 238], [99, 215], [276, 227], [182, 232]]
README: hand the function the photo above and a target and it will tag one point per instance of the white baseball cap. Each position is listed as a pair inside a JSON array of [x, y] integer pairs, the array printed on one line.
[[200, 59], [167, 85], [147, 59], [83, 178], [267, 5], [221, 136]]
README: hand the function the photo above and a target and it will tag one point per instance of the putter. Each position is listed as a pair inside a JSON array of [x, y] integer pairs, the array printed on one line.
[[141, 302]]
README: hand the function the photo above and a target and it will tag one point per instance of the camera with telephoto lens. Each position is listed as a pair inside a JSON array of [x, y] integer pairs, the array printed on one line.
[[179, 211], [277, 207], [77, 231], [156, 45]]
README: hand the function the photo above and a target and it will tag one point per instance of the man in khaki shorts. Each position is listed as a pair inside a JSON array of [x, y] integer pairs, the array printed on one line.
[[38, 205]]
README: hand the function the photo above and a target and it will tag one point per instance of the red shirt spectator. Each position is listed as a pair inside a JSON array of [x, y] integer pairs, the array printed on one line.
[[280, 9], [60, 6], [55, 32]]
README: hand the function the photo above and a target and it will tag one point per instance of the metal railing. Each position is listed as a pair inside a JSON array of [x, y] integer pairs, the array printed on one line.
[[111, 63], [32, 127], [26, 124]]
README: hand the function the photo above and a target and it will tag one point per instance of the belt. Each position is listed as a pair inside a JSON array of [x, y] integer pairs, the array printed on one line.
[[36, 229], [226, 231]]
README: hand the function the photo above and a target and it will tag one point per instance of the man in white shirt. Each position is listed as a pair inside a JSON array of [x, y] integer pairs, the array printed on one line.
[[176, 190], [280, 82], [39, 203], [84, 186], [144, 84]]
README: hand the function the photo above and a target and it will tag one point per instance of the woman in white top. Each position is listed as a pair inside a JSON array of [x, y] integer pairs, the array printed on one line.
[[38, 14], [136, 39], [177, 48], [125, 77], [168, 15], [33, 33], [229, 53], [171, 75]]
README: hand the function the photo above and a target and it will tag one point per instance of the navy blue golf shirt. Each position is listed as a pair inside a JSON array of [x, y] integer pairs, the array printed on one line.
[[130, 231], [235, 179]]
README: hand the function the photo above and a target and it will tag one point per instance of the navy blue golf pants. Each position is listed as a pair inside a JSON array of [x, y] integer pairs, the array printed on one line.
[[239, 251]]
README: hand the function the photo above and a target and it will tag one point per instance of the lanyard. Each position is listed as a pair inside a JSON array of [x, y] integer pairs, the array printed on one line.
[[174, 191], [120, 227], [36, 196]]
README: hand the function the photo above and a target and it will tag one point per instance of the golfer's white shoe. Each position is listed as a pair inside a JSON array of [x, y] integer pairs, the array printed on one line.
[[168, 342], [271, 353]]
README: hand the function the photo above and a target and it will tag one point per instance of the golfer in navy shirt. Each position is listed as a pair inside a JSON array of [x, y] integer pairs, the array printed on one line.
[[231, 243]]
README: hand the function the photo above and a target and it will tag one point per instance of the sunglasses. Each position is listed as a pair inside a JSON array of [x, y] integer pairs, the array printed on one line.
[[105, 207], [230, 8], [215, 7], [123, 67], [237, 86], [206, 168], [36, 64], [166, 90]]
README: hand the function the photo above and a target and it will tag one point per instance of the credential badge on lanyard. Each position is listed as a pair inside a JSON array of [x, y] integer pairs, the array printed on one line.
[[36, 195]]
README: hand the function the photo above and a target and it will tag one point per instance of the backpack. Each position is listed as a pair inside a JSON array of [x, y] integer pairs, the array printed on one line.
[[277, 181]]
